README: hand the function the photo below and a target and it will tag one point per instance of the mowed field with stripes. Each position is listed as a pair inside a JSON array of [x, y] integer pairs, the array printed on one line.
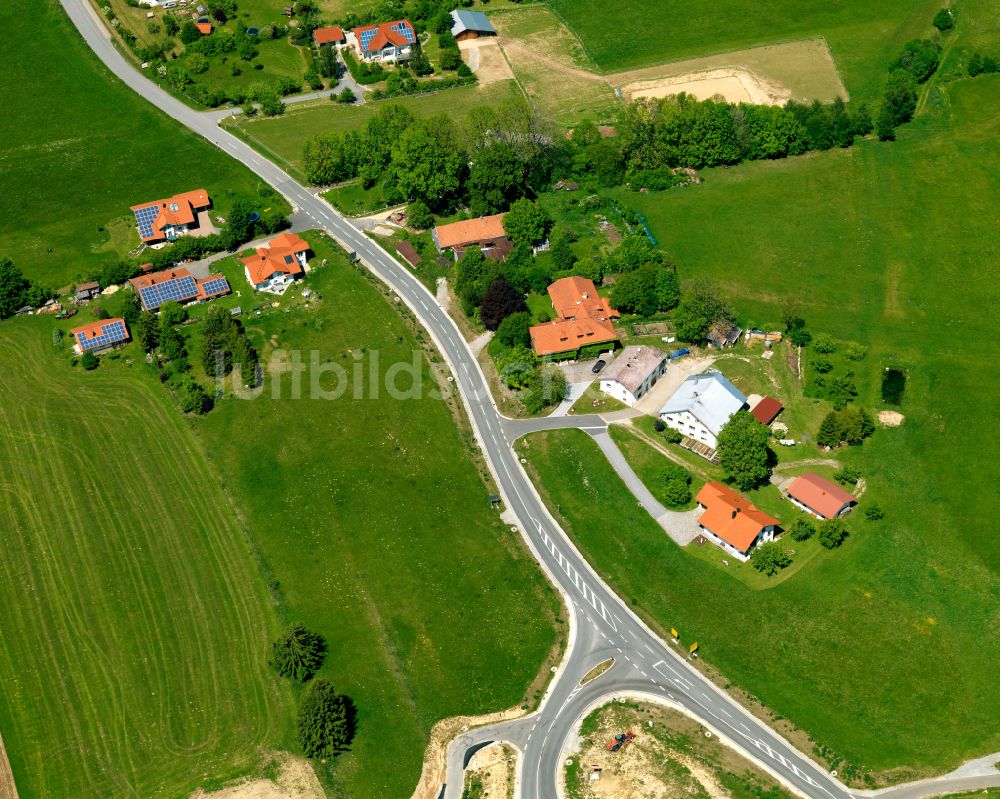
[[134, 620]]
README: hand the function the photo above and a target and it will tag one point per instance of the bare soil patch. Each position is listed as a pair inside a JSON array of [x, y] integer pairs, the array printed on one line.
[[486, 60], [670, 756], [890, 418], [8, 790], [491, 772], [732, 85], [295, 780]]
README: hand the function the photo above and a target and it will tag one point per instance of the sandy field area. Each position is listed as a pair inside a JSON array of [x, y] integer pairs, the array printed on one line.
[[732, 85], [890, 418], [296, 780], [486, 60]]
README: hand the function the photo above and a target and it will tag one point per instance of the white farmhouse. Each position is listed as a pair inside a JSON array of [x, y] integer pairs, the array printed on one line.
[[633, 373], [701, 406]]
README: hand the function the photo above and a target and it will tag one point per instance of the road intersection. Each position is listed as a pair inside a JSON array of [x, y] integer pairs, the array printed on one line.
[[601, 624]]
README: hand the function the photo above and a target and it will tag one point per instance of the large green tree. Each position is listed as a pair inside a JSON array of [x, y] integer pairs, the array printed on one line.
[[298, 653], [526, 222], [743, 450], [496, 179], [769, 558], [13, 287], [427, 163], [701, 305], [324, 722]]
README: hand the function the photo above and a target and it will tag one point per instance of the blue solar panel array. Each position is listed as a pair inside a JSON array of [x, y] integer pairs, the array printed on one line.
[[145, 217], [179, 289], [111, 333], [217, 285], [404, 30], [401, 28]]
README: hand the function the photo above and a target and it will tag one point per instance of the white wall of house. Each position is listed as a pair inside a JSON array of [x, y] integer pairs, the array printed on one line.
[[729, 549], [688, 425], [616, 390]]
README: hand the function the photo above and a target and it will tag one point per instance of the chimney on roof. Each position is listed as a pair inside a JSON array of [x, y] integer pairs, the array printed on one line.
[[735, 511]]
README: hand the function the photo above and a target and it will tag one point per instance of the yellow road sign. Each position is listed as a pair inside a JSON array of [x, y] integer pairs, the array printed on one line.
[[693, 647], [674, 633]]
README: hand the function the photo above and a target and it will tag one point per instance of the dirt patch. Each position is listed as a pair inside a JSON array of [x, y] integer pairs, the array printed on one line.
[[491, 773], [486, 60], [890, 418], [8, 790], [295, 780], [803, 70], [732, 85], [670, 756]]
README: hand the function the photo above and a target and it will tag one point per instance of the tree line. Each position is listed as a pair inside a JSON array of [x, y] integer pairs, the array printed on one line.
[[17, 291]]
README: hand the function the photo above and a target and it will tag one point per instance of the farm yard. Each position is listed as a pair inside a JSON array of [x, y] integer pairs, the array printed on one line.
[[135, 617], [432, 606]]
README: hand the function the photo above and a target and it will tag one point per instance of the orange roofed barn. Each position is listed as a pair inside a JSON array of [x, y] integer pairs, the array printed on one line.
[[583, 319], [165, 220], [275, 266], [731, 521], [820, 497], [485, 232]]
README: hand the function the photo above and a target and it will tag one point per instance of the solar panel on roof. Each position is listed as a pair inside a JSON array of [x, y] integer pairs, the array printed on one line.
[[111, 333], [179, 289], [216, 285], [145, 217]]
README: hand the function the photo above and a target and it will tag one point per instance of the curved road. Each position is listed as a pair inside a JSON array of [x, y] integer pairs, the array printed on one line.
[[601, 625]]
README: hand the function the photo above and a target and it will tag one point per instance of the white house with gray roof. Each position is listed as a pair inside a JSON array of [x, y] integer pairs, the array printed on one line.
[[701, 406], [470, 25], [634, 372]]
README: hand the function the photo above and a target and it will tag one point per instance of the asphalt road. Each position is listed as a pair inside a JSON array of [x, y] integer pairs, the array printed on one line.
[[601, 625]]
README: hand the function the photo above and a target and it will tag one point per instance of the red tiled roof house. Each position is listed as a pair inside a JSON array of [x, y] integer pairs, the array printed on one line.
[[485, 232], [276, 265], [166, 220], [820, 497], [390, 41], [583, 320], [332, 34], [732, 522]]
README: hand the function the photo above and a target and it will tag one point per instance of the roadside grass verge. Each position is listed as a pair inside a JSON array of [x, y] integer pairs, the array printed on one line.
[[136, 622], [647, 463], [895, 599], [72, 166], [371, 515]]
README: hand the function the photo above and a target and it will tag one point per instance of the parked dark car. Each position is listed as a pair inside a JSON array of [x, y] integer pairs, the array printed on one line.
[[601, 363]]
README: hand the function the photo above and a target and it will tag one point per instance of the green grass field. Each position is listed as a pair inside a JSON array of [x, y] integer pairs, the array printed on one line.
[[69, 167], [135, 619], [281, 138], [899, 267], [370, 514], [864, 37]]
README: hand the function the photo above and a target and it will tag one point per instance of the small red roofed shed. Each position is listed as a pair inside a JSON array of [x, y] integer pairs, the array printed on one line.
[[767, 410]]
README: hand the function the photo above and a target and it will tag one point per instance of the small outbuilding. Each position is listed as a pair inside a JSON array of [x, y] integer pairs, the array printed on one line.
[[87, 291], [408, 253], [332, 34], [767, 410], [723, 335], [820, 497], [470, 25]]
